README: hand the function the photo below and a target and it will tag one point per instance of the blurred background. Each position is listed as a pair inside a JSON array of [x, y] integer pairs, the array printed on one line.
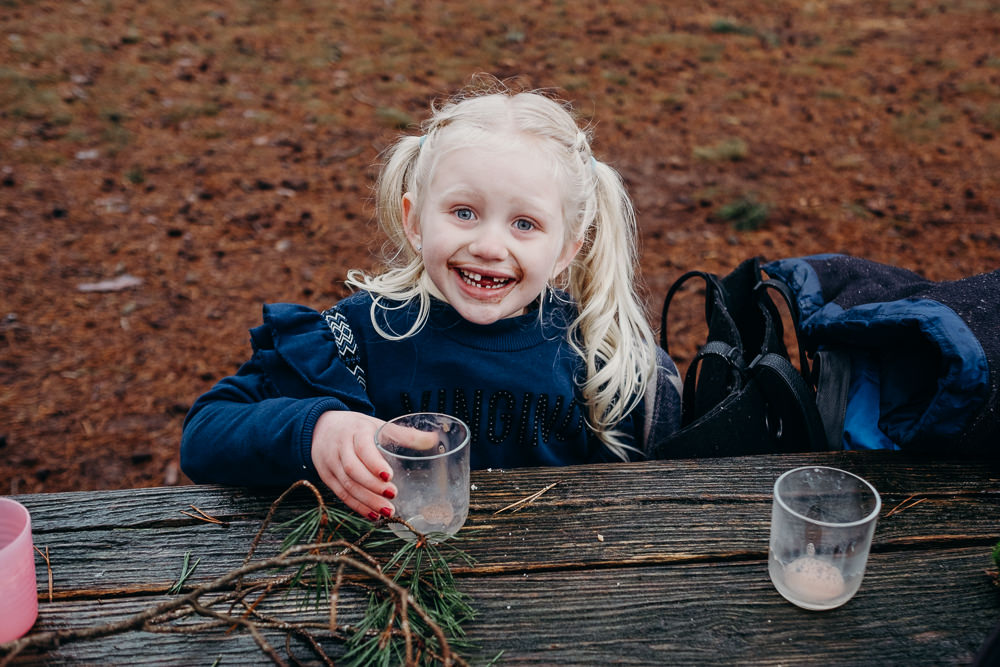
[[165, 168]]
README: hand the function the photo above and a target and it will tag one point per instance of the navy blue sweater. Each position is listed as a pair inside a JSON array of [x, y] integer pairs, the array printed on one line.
[[514, 382]]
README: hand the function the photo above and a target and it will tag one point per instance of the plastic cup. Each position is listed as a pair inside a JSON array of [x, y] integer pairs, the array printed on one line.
[[822, 522], [18, 590], [429, 456]]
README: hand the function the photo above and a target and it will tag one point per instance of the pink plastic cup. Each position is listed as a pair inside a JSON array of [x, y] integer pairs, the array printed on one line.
[[18, 590]]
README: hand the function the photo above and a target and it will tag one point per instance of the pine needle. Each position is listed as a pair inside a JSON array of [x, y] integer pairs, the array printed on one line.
[[186, 571]]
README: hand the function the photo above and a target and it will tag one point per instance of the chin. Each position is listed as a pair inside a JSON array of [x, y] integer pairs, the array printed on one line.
[[486, 316], [480, 318]]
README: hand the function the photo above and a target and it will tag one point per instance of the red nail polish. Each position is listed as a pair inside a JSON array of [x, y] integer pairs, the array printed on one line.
[[372, 516], [386, 512], [384, 476], [389, 494]]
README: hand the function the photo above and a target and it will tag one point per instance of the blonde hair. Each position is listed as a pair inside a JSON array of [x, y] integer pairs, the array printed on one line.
[[611, 332]]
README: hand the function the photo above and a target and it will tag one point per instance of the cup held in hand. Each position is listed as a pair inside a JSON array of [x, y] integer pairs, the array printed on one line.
[[429, 456]]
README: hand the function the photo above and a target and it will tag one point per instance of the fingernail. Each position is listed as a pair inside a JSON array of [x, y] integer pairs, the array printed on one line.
[[373, 516], [389, 494], [386, 512], [384, 476]]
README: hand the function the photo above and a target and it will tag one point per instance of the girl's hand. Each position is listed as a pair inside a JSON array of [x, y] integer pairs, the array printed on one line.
[[345, 456]]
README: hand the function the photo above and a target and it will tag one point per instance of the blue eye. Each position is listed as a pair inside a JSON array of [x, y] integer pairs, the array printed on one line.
[[464, 214], [524, 225]]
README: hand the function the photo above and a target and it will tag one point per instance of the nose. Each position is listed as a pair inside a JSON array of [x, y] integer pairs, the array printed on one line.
[[489, 243]]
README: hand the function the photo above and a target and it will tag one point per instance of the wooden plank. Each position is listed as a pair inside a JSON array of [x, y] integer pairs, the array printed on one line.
[[145, 508], [931, 607], [710, 613], [129, 541], [744, 478], [543, 536]]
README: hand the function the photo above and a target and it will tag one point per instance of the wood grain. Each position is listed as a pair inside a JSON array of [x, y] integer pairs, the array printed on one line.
[[652, 563]]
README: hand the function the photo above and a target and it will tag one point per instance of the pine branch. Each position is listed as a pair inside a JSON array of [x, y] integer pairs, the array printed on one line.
[[414, 616]]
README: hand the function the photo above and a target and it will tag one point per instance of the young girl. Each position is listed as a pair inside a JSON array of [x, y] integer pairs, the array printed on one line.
[[509, 304]]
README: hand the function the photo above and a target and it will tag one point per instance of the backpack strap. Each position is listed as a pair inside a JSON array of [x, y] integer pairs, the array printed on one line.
[[704, 390], [793, 308], [793, 418], [721, 325], [833, 384]]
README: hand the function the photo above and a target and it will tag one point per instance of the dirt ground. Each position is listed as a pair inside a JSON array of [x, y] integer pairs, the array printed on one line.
[[206, 157]]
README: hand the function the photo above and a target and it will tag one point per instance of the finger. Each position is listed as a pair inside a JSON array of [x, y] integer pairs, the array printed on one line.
[[410, 437], [373, 461], [356, 496], [359, 481], [371, 510]]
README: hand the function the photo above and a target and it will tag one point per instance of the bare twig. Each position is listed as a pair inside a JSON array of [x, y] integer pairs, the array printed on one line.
[[302, 483], [48, 566], [149, 618], [233, 589]]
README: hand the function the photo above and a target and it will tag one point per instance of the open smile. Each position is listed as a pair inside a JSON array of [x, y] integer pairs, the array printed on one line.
[[478, 280]]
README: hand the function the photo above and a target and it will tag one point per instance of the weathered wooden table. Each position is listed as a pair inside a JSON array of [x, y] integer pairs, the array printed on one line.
[[653, 563]]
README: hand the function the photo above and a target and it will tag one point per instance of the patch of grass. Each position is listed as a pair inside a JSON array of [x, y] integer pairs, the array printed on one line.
[[830, 94], [14, 86], [827, 62], [212, 133], [116, 136], [850, 162], [727, 26], [617, 78], [679, 40], [395, 118], [135, 175], [922, 125], [711, 52], [23, 96], [979, 88], [731, 149], [991, 117], [804, 70], [175, 116], [858, 210], [576, 83], [131, 36], [744, 213]]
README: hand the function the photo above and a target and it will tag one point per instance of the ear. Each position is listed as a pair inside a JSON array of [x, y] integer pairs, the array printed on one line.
[[411, 222], [566, 257]]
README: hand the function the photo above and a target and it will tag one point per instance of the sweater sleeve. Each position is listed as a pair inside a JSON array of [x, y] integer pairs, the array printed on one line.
[[256, 427]]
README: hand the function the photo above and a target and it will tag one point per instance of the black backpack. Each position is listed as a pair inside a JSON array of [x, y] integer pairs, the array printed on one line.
[[887, 360]]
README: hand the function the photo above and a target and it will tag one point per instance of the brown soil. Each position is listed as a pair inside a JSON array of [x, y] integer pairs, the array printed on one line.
[[221, 153]]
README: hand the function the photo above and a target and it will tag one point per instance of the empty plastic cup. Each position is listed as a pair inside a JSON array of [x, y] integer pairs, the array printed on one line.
[[429, 456]]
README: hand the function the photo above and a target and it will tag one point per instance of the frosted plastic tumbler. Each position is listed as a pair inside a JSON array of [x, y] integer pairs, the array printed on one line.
[[18, 591], [822, 522], [429, 456]]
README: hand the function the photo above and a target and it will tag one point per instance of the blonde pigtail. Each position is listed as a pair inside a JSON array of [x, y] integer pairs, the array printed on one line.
[[402, 281], [615, 339]]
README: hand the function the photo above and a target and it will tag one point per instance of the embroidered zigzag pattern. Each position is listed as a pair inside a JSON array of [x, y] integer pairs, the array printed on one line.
[[347, 347]]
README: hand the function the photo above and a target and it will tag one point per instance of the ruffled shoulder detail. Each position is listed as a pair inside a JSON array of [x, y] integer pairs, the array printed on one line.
[[318, 349]]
